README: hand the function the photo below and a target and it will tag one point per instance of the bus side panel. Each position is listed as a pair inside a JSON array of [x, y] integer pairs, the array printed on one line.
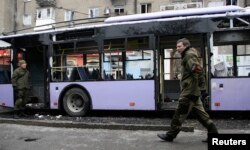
[[123, 95], [113, 95], [6, 96], [230, 94]]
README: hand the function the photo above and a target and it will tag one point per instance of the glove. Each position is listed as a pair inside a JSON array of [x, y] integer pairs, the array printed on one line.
[[204, 94]]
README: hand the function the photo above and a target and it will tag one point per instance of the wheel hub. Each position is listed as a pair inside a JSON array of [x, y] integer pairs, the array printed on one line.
[[78, 102], [75, 103]]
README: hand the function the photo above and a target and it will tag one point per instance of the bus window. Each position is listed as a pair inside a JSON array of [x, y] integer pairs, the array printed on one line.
[[92, 65], [113, 59], [73, 61], [89, 60], [79, 63], [243, 60], [139, 59], [5, 66], [58, 69], [222, 61], [59, 62], [172, 63], [139, 64], [171, 56]]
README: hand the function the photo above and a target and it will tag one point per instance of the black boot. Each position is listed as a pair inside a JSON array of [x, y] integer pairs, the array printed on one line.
[[165, 137], [205, 140], [16, 114], [211, 129], [23, 114]]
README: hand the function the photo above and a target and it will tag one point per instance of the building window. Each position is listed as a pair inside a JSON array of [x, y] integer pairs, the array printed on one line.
[[107, 11], [196, 1], [194, 5], [231, 2], [179, 6], [215, 4], [247, 3], [45, 13], [146, 8], [26, 20], [169, 7], [68, 15], [93, 12], [45, 18], [119, 11], [177, 1]]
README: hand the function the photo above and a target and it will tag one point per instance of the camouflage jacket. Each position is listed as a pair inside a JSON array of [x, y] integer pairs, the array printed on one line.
[[192, 81], [20, 78]]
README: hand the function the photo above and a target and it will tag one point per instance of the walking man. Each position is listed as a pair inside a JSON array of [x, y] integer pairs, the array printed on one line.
[[21, 85], [192, 85]]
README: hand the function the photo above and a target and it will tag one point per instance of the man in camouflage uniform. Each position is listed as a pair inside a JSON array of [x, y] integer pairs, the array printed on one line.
[[21, 85], [192, 85]]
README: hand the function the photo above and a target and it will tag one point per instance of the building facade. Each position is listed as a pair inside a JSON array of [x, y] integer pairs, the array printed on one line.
[[7, 15], [19, 16]]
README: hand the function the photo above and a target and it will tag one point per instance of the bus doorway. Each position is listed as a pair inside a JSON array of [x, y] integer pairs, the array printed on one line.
[[170, 67], [33, 52], [35, 63]]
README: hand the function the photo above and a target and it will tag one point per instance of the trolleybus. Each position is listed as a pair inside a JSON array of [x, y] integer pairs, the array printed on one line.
[[130, 62]]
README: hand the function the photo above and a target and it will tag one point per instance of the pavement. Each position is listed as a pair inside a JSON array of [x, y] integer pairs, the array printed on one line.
[[39, 131], [46, 121], [20, 137], [121, 121], [88, 125]]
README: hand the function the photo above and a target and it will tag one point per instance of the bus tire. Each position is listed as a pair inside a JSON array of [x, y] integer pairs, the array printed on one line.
[[76, 102]]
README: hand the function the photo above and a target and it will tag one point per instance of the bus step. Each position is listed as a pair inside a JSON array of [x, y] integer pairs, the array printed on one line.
[[35, 105], [169, 105], [33, 99]]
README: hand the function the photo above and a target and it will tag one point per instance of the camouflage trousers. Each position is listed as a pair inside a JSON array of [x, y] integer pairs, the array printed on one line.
[[21, 96], [185, 106]]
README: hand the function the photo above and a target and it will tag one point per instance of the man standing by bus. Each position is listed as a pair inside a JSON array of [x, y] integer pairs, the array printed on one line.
[[192, 85], [21, 85]]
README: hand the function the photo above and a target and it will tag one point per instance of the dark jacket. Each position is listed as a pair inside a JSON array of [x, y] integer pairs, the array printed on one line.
[[20, 78], [192, 81]]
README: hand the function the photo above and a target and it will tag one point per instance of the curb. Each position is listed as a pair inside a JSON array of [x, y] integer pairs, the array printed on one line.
[[83, 125]]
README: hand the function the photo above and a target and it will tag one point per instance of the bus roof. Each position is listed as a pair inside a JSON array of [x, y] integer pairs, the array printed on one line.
[[214, 12], [4, 44], [175, 13]]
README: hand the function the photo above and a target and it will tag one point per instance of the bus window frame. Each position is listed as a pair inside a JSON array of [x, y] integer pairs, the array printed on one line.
[[72, 52], [124, 50]]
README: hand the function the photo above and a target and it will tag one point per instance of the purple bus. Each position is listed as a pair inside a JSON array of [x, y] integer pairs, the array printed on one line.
[[130, 62]]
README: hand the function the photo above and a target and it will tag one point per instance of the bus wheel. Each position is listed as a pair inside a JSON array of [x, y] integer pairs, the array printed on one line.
[[76, 102]]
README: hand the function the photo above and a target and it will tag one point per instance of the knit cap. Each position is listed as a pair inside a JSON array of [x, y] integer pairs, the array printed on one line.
[[20, 62]]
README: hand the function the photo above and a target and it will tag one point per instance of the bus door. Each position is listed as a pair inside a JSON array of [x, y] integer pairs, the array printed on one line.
[[6, 96], [170, 68], [230, 70]]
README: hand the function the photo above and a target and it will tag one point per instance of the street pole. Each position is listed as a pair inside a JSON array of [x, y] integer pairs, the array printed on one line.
[[15, 17]]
